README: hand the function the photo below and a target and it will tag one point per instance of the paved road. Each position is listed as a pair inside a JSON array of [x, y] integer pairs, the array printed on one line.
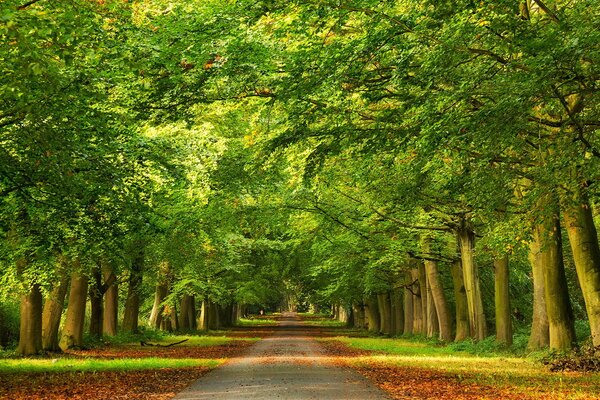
[[288, 365]]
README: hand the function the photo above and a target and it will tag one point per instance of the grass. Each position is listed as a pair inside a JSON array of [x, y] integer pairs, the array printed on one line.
[[256, 322], [328, 323], [94, 365], [503, 370]]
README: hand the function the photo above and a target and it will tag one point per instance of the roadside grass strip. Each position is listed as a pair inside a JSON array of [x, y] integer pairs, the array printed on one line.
[[256, 322], [59, 365], [327, 323], [519, 372]]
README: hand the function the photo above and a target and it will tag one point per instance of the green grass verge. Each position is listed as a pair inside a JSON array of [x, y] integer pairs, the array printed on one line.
[[524, 373], [91, 365], [256, 322], [328, 323]]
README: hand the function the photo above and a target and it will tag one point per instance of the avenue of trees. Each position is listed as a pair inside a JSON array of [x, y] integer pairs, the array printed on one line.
[[417, 167]]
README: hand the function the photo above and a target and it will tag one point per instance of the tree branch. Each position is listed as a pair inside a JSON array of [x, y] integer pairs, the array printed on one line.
[[29, 3]]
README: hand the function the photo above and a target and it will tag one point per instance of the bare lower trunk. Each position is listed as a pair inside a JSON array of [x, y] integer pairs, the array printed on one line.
[[439, 300], [132, 303], [466, 239], [156, 316], [111, 301], [214, 322], [30, 331], [385, 315], [372, 313], [408, 306], [53, 308], [540, 334], [460, 297], [72, 334], [397, 312], [502, 301], [432, 321], [187, 313], [96, 292], [558, 304], [417, 304], [359, 315], [583, 237], [422, 276], [202, 318]]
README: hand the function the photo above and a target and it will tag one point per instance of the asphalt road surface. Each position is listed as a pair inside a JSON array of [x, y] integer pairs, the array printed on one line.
[[288, 365]]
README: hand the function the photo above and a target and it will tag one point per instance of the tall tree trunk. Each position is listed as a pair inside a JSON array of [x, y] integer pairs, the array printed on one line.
[[202, 319], [214, 322], [53, 308], [72, 333], [408, 305], [111, 301], [132, 303], [583, 237], [359, 315], [422, 277], [466, 239], [30, 332], [385, 314], [156, 316], [558, 303], [397, 312], [96, 292], [540, 333], [439, 301], [432, 321], [372, 313], [417, 304], [460, 297], [187, 313], [502, 301]]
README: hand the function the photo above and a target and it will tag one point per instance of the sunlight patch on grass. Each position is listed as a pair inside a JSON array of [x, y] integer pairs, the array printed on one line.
[[394, 346], [256, 321], [196, 341], [328, 323], [507, 371], [91, 365]]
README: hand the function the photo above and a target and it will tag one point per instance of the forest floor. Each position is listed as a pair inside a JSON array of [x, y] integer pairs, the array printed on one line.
[[314, 356]]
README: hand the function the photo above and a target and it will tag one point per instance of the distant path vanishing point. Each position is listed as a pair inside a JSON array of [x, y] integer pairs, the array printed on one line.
[[288, 365]]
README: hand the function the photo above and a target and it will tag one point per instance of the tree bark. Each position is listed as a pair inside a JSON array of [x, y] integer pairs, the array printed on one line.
[[202, 319], [460, 297], [422, 277], [466, 239], [540, 333], [96, 292], [53, 308], [397, 312], [417, 304], [30, 331], [156, 316], [432, 321], [111, 301], [502, 301], [359, 315], [439, 301], [187, 313], [72, 334], [214, 322], [583, 238], [132, 303], [558, 303], [385, 314], [372, 314], [408, 305]]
